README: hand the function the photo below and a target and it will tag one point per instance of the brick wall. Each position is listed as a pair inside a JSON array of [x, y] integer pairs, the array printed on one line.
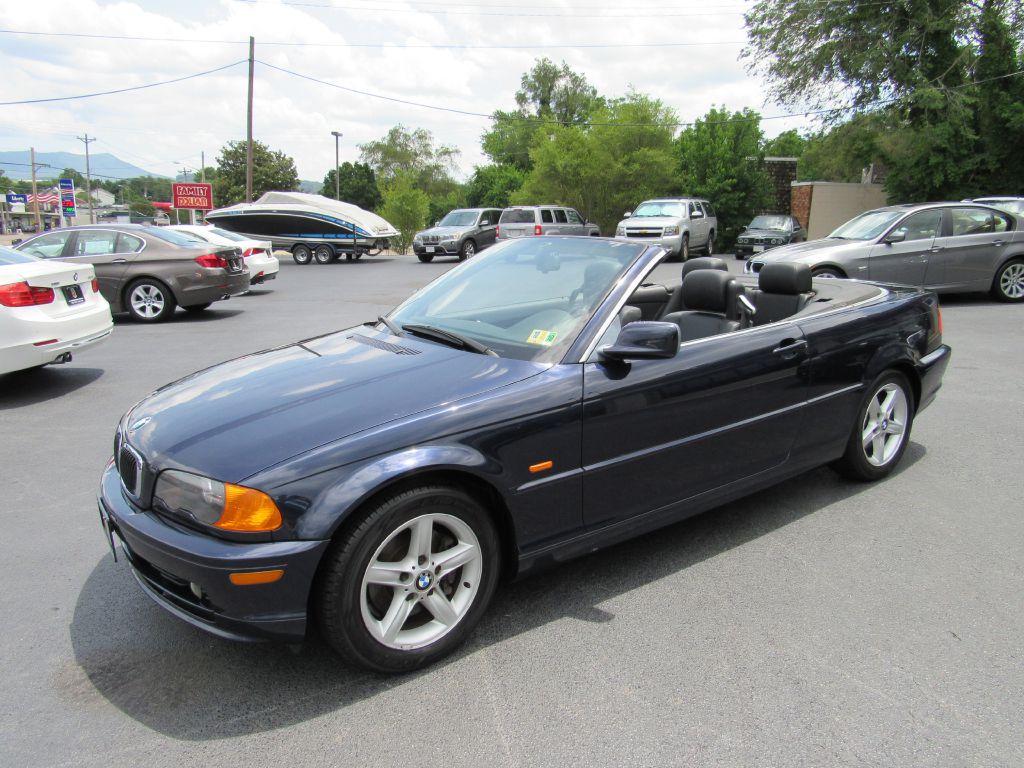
[[800, 203], [781, 174]]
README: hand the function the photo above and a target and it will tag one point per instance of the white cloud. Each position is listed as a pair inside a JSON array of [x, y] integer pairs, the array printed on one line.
[[162, 128]]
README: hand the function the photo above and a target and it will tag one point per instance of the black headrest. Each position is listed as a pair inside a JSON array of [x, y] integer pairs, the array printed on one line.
[[704, 262], [784, 277], [706, 290]]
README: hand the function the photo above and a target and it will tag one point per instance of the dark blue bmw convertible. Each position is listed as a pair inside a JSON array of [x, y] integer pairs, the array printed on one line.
[[537, 402]]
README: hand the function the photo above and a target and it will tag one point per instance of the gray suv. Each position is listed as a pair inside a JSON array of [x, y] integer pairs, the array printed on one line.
[[677, 224], [530, 220], [460, 233]]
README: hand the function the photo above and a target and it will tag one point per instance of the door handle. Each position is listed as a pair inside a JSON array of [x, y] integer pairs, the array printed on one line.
[[119, 261], [936, 249], [998, 242], [789, 348]]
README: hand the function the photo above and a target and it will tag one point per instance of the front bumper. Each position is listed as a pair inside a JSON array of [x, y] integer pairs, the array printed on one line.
[[447, 248], [930, 370], [171, 561], [671, 243]]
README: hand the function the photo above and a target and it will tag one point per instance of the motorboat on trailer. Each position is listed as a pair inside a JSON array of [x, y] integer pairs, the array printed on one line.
[[312, 227]]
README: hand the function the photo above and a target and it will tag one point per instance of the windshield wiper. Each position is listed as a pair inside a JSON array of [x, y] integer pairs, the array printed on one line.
[[449, 337], [390, 325]]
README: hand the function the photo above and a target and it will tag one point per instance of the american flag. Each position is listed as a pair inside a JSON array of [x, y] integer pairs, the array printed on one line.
[[45, 197]]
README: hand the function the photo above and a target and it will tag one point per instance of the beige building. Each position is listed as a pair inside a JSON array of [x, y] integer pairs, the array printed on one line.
[[821, 206]]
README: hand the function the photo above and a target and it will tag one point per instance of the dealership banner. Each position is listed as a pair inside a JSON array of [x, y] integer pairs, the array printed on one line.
[[195, 196]]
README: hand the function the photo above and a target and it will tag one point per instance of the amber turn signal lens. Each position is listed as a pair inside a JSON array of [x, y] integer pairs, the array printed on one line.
[[247, 578], [248, 510], [542, 467]]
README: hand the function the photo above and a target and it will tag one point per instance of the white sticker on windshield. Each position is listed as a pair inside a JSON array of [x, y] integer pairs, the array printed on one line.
[[544, 338]]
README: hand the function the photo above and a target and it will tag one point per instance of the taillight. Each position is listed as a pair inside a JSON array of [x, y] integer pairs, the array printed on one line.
[[95, 285], [212, 261], [537, 229], [248, 252], [938, 312], [497, 231], [24, 295]]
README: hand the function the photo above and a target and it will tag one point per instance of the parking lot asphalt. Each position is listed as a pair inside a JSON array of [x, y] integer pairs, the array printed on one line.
[[819, 623]]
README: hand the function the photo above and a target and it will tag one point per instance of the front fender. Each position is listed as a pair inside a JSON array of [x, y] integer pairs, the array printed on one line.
[[354, 484]]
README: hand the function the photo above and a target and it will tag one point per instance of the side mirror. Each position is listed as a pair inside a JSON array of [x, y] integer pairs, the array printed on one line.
[[437, 223], [644, 340], [896, 236], [627, 214]]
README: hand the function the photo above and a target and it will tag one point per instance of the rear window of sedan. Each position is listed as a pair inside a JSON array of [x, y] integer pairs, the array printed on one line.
[[10, 256], [517, 216], [170, 236]]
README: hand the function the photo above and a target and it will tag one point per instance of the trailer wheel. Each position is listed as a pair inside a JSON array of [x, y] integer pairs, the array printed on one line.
[[323, 254], [302, 254]]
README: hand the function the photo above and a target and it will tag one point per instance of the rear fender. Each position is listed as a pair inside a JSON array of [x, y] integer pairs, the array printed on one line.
[[358, 483]]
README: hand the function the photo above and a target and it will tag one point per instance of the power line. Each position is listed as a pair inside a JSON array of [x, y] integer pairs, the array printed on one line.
[[122, 90], [518, 15], [418, 46]]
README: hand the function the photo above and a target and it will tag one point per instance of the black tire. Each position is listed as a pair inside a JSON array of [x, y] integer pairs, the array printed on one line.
[[426, 258], [468, 250], [340, 589], [197, 308], [302, 254], [827, 272], [324, 254], [1008, 284], [860, 463], [740, 257], [709, 249], [149, 301]]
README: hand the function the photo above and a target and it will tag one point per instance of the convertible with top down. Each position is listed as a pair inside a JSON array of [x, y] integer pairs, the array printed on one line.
[[538, 402]]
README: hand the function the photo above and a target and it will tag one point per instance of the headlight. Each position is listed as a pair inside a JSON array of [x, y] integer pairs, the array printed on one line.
[[671, 230], [775, 241], [620, 231], [211, 502], [741, 240], [417, 238]]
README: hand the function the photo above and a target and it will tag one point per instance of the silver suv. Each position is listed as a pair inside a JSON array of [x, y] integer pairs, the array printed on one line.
[[677, 224], [530, 220], [460, 233]]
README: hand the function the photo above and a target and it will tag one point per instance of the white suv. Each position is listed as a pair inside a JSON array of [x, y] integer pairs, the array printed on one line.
[[677, 224]]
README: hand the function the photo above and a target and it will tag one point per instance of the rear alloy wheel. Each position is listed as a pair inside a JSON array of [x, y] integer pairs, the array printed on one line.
[[1009, 281], [149, 300], [467, 251], [409, 583], [426, 258], [301, 254], [882, 429], [323, 254]]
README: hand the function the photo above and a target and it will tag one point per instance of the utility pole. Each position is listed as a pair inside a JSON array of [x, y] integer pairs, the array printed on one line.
[[337, 173], [88, 177], [202, 176], [35, 190], [248, 134]]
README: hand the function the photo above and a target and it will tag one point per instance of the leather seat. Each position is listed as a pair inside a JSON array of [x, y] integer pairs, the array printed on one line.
[[783, 289], [707, 292], [675, 300]]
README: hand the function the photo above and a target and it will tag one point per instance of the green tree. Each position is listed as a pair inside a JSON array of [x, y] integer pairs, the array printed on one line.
[[492, 186], [720, 159], [358, 185], [403, 150], [272, 170], [786, 144], [844, 151], [406, 206]]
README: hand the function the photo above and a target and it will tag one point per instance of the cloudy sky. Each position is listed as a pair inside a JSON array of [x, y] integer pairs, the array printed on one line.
[[465, 55]]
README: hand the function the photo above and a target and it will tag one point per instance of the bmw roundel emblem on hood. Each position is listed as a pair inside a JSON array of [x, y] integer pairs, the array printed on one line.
[[140, 423]]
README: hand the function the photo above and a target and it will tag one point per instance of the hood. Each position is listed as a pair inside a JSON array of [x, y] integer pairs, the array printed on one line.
[[813, 251], [649, 221], [445, 230], [237, 418], [777, 233]]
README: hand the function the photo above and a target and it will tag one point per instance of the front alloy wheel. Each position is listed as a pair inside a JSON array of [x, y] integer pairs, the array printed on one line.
[[408, 584], [467, 251]]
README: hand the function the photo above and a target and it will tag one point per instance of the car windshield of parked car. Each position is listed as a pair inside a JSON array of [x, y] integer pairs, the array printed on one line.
[[459, 219], [232, 236], [867, 226], [517, 216], [10, 256], [525, 299], [674, 209], [771, 222], [171, 236]]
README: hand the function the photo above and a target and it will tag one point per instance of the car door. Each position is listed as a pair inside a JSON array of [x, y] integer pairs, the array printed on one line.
[[901, 255], [659, 432], [970, 248], [485, 228], [698, 225], [562, 226], [576, 222], [99, 247]]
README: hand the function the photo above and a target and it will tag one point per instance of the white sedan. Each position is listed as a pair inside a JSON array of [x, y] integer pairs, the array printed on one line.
[[258, 254], [48, 309]]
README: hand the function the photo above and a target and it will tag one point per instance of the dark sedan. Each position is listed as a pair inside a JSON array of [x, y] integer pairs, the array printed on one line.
[[148, 271], [769, 231], [379, 481]]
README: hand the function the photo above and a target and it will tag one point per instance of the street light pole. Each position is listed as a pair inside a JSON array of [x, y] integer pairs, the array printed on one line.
[[337, 172]]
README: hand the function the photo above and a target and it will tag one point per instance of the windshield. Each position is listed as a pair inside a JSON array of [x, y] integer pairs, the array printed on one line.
[[459, 219], [9, 256], [674, 209], [770, 222], [517, 216], [171, 236], [232, 236], [525, 299], [868, 225]]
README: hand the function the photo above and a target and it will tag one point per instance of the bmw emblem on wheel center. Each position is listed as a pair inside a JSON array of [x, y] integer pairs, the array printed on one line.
[[424, 580]]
